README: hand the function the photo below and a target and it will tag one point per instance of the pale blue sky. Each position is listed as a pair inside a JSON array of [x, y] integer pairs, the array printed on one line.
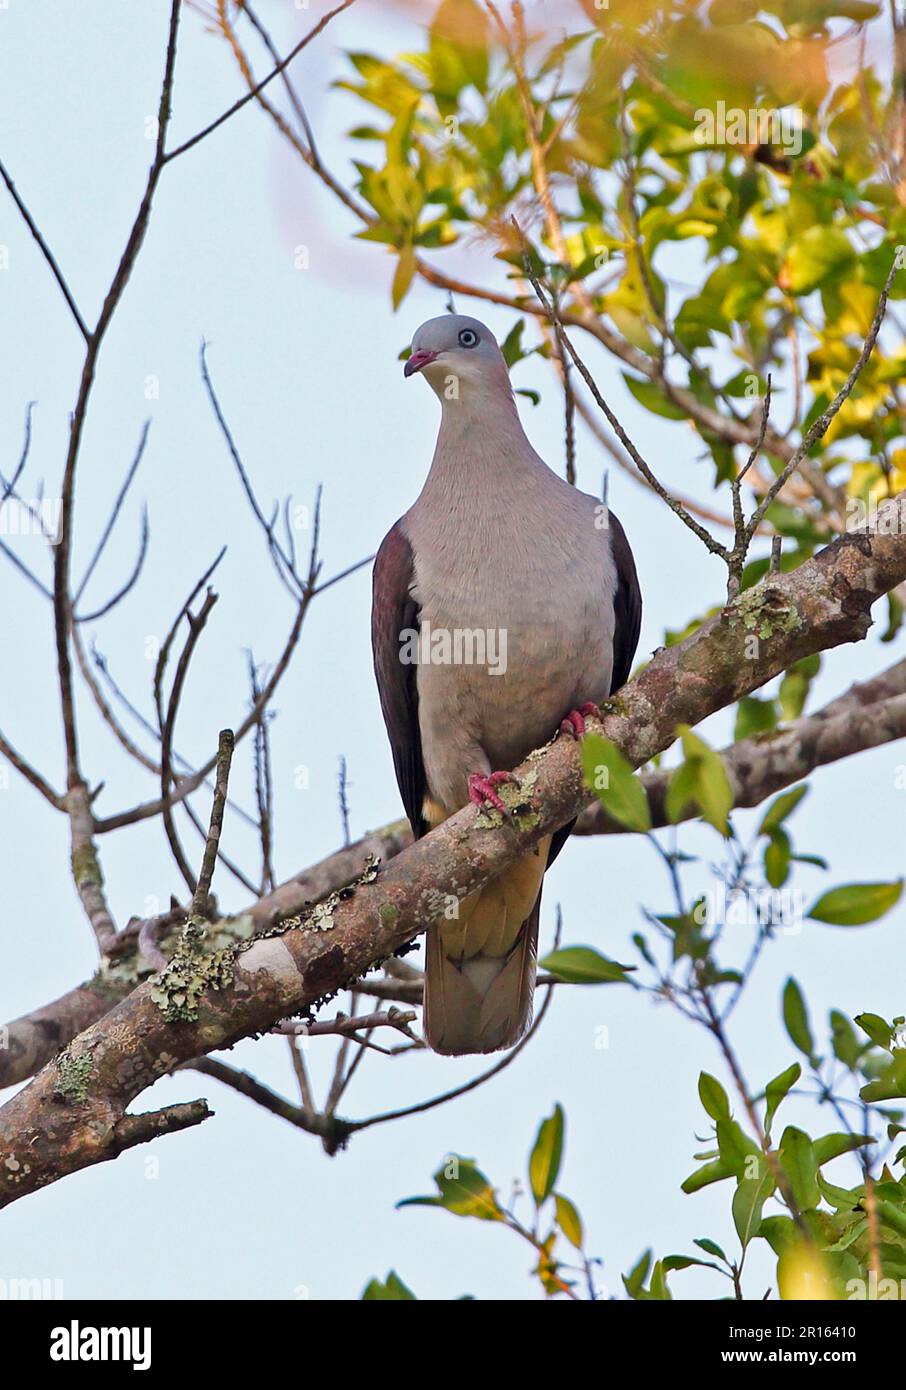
[[306, 366]]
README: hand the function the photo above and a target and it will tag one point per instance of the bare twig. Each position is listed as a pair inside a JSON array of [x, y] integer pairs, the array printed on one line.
[[200, 904], [114, 515], [342, 787], [196, 624], [45, 252], [820, 426], [552, 312], [250, 96]]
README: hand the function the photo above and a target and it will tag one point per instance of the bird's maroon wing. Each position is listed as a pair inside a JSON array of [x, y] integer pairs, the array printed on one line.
[[393, 611], [627, 607]]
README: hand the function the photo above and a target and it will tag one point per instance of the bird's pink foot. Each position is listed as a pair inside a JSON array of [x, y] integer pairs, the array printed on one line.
[[574, 723], [483, 790]]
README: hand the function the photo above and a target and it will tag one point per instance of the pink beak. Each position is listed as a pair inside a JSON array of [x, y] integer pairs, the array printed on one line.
[[418, 359]]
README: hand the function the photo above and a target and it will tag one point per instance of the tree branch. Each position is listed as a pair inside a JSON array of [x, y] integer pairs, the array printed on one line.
[[66, 1119], [868, 715]]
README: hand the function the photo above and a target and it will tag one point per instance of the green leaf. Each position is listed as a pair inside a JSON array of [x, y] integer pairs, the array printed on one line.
[[847, 1047], [820, 254], [582, 965], [754, 716], [716, 1170], [892, 1216], [856, 904], [569, 1220], [544, 1164], [392, 1290], [877, 1028], [777, 854], [458, 51], [463, 1190], [610, 777], [710, 1247], [891, 1084], [634, 1281], [737, 1149], [777, 1090], [830, 1146], [800, 1164], [650, 395], [748, 1202], [671, 1262], [796, 683], [795, 1019], [702, 780], [779, 1232], [781, 807], [713, 1097]]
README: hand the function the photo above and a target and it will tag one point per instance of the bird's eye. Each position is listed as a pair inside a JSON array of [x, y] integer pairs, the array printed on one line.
[[468, 337]]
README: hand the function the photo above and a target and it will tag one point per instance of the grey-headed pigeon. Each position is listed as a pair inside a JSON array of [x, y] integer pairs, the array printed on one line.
[[505, 603]]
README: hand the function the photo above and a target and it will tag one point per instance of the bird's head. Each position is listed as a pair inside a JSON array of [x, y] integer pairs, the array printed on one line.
[[459, 356]]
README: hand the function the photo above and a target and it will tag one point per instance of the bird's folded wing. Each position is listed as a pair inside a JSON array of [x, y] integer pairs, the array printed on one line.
[[394, 611]]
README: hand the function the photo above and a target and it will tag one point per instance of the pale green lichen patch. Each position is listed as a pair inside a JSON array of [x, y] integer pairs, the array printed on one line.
[[764, 613], [85, 866], [193, 968], [72, 1076], [206, 954], [319, 917], [616, 705], [389, 914], [517, 798]]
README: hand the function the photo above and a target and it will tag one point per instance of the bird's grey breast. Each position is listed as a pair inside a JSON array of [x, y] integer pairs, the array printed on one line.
[[515, 591]]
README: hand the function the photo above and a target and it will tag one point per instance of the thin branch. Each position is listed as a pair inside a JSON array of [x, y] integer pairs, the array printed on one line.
[[86, 867], [45, 252], [262, 1095], [114, 515], [342, 788], [200, 904], [552, 312], [31, 775], [141, 1129], [128, 584], [62, 553], [282, 560], [10, 487], [250, 96], [196, 625], [820, 426]]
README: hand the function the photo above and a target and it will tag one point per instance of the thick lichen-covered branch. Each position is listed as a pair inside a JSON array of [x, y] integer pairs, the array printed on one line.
[[869, 714], [292, 966]]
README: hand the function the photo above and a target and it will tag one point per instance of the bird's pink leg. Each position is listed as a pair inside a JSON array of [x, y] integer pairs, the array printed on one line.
[[574, 723], [484, 789]]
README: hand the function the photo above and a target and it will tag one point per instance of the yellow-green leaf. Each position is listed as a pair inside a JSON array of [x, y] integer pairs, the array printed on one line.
[[856, 904], [544, 1164], [569, 1220]]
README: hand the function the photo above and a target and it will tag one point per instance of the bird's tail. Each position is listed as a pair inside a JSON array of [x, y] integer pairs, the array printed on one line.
[[480, 968]]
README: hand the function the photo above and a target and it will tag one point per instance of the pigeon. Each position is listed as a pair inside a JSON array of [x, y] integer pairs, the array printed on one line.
[[505, 604]]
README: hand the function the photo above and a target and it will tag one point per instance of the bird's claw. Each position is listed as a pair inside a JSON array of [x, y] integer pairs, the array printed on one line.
[[483, 790], [574, 723]]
